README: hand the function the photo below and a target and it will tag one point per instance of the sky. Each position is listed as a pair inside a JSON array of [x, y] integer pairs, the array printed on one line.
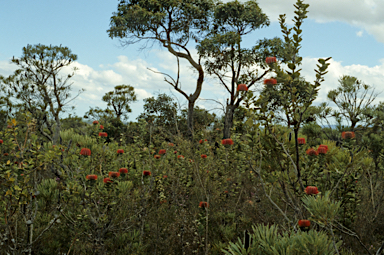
[[349, 31]]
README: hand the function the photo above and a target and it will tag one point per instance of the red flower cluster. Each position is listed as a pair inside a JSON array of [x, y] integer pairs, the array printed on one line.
[[203, 156], [271, 81], [270, 60], [323, 149], [1, 141], [91, 177], [157, 156], [123, 170], [304, 223], [311, 190], [301, 140], [203, 205], [180, 156], [95, 122], [202, 141], [242, 87], [120, 151], [107, 180], [103, 134], [228, 141], [6, 154], [174, 152], [171, 144], [146, 173], [312, 152], [85, 152], [348, 134], [162, 151], [114, 174], [101, 127]]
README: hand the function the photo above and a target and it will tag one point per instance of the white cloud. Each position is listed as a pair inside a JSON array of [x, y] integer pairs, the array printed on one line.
[[360, 33]]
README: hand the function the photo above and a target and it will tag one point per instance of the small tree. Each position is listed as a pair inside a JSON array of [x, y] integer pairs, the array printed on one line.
[[38, 87], [119, 99]]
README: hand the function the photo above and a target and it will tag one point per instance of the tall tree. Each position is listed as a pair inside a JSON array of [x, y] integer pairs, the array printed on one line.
[[119, 99], [38, 87], [227, 59], [172, 24]]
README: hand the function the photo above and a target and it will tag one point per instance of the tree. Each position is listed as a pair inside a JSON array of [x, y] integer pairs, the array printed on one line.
[[119, 99], [172, 24], [351, 99], [38, 87], [225, 56]]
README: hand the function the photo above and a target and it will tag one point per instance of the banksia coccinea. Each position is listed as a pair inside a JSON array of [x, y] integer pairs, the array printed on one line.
[[304, 223], [312, 152], [202, 141], [157, 156], [85, 152], [123, 170], [120, 151], [1, 141], [311, 190], [271, 81], [322, 150], [162, 151], [107, 180], [103, 134], [114, 174], [180, 156], [101, 127], [242, 87], [227, 141], [146, 173], [348, 134], [95, 122], [91, 177], [270, 60], [203, 205], [301, 140], [203, 156]]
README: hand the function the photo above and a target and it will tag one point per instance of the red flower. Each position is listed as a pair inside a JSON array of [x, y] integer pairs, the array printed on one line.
[[191, 161], [174, 152], [203, 156], [311, 190], [85, 152], [163, 201], [228, 141], [202, 141], [101, 127], [171, 144], [164, 176], [322, 150], [103, 134], [180, 156], [1, 141], [95, 122], [348, 135], [9, 126], [157, 156], [301, 140], [146, 173], [107, 180], [6, 154], [312, 152], [242, 87], [271, 81], [120, 151], [114, 174], [203, 205], [304, 223], [123, 170], [91, 177], [162, 151], [270, 60]]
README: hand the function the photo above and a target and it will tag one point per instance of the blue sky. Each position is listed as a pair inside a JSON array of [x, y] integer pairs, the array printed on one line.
[[349, 31]]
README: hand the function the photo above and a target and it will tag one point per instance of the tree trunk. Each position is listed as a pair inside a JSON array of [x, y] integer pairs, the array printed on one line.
[[296, 131], [56, 136], [228, 121], [191, 105]]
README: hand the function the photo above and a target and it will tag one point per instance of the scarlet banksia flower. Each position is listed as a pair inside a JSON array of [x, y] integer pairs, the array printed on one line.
[[171, 144], [322, 150], [228, 141], [157, 156], [325, 146], [146, 173], [107, 180], [91, 177], [203, 156], [180, 156], [120, 151], [301, 140], [348, 134], [1, 141], [85, 152], [271, 81], [6, 154], [311, 190], [203, 205], [101, 127], [161, 152], [304, 223], [114, 174], [95, 122], [175, 152], [123, 170], [242, 87], [270, 60], [312, 152], [163, 201], [103, 134]]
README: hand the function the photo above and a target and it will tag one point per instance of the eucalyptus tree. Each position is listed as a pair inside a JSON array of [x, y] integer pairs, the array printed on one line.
[[119, 99], [228, 60], [172, 24], [38, 87]]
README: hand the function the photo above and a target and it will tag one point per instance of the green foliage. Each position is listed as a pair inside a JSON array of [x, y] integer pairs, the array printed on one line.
[[119, 99]]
